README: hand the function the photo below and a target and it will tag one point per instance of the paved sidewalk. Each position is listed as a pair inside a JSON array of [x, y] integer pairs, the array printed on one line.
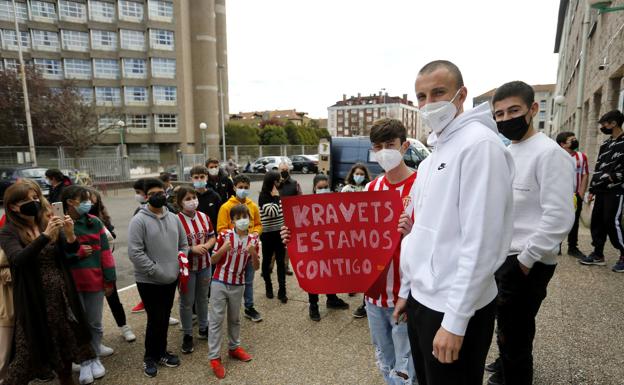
[[580, 338]]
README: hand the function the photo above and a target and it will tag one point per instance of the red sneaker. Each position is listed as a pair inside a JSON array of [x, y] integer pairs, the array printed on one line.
[[217, 368], [240, 354], [138, 308]]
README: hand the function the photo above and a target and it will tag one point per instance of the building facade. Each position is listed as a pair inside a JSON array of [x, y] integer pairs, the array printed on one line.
[[254, 118], [354, 116], [590, 75], [161, 64], [544, 94]]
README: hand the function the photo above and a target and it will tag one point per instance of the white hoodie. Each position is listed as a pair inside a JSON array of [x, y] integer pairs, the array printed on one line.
[[463, 220]]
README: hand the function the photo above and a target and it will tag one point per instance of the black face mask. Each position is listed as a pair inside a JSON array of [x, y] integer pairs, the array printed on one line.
[[30, 209], [157, 200], [514, 128], [574, 145], [284, 174], [606, 131]]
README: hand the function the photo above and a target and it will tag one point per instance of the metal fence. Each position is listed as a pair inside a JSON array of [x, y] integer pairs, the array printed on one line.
[[242, 154]]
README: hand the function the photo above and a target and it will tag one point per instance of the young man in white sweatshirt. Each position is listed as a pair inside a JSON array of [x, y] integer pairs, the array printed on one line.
[[543, 191], [461, 233]]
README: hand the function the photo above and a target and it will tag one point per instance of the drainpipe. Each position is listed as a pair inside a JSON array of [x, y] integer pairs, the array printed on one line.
[[581, 82]]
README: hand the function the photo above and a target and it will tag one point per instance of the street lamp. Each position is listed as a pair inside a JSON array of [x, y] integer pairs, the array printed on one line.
[[122, 126], [202, 127], [219, 69]]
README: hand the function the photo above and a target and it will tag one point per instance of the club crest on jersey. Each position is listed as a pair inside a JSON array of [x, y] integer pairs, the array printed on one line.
[[406, 201]]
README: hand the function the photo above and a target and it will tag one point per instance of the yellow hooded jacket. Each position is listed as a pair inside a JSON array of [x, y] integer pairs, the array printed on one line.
[[225, 223]]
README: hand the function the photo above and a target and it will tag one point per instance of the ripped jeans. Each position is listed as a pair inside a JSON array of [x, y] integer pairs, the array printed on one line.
[[392, 347]]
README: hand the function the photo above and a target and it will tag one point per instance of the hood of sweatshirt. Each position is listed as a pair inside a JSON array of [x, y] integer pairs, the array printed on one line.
[[234, 201], [481, 113]]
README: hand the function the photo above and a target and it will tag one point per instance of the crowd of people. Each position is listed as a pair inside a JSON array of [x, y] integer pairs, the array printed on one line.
[[481, 227]]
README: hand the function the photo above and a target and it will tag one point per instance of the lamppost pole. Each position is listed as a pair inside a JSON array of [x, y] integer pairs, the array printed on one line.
[[29, 127], [220, 68], [202, 127], [122, 126]]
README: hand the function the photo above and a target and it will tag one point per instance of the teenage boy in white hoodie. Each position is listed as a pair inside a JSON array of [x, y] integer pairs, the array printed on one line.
[[461, 233], [543, 191]]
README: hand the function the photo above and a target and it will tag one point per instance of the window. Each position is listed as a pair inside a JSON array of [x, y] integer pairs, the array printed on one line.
[[9, 40], [77, 69], [106, 68], [161, 39], [49, 68], [166, 123], [541, 125], [72, 11], [542, 115], [542, 105], [106, 122], [163, 68], [6, 10], [134, 68], [138, 124], [132, 40], [42, 10], [130, 11], [11, 65], [104, 40], [101, 11], [160, 10], [86, 94], [45, 40], [165, 95], [108, 96], [75, 40], [135, 96]]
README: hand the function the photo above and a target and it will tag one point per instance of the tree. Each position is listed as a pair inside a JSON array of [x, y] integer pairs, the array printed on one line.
[[240, 134], [273, 135], [292, 132], [270, 122]]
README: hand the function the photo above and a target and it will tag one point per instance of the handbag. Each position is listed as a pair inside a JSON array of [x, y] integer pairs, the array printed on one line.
[[586, 214]]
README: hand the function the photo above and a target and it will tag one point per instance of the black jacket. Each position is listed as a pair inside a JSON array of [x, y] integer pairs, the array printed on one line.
[[28, 296], [609, 172], [223, 185], [209, 204], [55, 192], [289, 187]]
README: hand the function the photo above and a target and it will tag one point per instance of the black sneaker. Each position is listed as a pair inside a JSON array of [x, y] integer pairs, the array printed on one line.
[[252, 314], [360, 312], [337, 304], [149, 367], [314, 313], [169, 360], [496, 379], [289, 272], [203, 334], [269, 292], [593, 259], [575, 252], [494, 367], [187, 344], [281, 295]]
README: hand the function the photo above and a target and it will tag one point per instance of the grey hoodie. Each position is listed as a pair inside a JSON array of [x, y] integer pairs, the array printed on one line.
[[153, 246]]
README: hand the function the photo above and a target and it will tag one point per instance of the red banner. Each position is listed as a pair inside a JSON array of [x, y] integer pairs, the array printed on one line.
[[340, 243]]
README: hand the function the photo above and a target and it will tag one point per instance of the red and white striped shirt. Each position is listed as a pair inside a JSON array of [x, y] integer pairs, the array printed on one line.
[[231, 267], [198, 230], [385, 291], [581, 168]]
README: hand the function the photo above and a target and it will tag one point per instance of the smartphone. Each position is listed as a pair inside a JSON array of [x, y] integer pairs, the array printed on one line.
[[57, 209]]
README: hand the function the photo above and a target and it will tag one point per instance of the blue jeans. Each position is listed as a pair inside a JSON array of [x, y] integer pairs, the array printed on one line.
[[392, 348], [197, 293], [249, 277]]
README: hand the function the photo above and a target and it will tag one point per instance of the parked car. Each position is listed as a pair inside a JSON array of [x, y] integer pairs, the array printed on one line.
[[10, 175], [346, 151], [267, 163], [305, 163]]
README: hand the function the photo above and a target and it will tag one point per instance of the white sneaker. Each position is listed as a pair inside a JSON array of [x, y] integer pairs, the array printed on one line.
[[75, 368], [97, 369], [173, 321], [127, 333], [105, 351], [86, 375]]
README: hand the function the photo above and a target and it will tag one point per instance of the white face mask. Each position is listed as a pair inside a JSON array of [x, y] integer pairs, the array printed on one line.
[[140, 198], [242, 224], [213, 171], [323, 190], [358, 179], [191, 205], [438, 115], [388, 159]]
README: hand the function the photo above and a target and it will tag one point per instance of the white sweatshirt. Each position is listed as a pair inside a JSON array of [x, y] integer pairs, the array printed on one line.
[[463, 220], [543, 190]]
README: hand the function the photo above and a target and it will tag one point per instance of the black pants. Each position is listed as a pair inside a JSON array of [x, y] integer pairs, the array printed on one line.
[[116, 307], [605, 222], [158, 300], [519, 299], [314, 298], [573, 234], [272, 244], [423, 324]]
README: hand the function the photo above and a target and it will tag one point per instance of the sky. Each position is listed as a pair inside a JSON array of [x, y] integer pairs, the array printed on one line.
[[305, 54]]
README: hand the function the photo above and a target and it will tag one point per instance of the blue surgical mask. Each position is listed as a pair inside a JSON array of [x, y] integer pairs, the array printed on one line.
[[242, 193], [199, 184], [323, 190], [358, 179], [84, 207]]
